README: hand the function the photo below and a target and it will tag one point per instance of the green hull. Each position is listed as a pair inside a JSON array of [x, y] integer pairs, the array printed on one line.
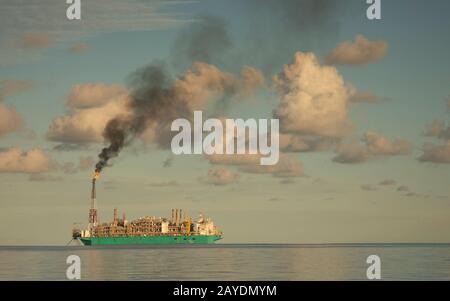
[[150, 240]]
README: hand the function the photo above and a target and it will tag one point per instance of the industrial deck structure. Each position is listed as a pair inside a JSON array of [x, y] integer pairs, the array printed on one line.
[[179, 229]]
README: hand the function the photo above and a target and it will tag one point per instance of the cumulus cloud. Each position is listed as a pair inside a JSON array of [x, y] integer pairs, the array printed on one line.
[[79, 48], [205, 83], [91, 106], [436, 153], [373, 145], [288, 165], [361, 51], [202, 83], [252, 157], [158, 100], [83, 126], [93, 95], [314, 99], [252, 79], [14, 160], [220, 176], [379, 145], [294, 143], [10, 120]]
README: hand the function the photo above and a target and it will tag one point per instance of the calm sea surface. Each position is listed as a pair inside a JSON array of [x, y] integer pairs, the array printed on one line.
[[229, 262]]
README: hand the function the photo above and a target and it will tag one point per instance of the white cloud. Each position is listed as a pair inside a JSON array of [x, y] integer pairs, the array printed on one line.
[[93, 95], [361, 51], [314, 99], [10, 120], [373, 145], [205, 83], [91, 107], [14, 160]]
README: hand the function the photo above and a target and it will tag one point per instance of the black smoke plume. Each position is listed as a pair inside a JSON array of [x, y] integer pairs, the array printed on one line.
[[275, 30], [207, 39], [270, 32], [153, 101]]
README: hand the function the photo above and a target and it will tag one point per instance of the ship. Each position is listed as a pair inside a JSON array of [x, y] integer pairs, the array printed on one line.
[[148, 230]]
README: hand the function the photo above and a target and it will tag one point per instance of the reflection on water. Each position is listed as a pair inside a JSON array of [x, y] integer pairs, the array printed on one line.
[[229, 262]]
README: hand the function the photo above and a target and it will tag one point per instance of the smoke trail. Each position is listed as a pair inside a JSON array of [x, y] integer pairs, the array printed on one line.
[[270, 32], [157, 100], [207, 39], [274, 33], [115, 134], [153, 100]]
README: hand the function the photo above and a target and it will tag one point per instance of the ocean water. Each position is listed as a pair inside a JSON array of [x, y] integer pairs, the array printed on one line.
[[229, 262]]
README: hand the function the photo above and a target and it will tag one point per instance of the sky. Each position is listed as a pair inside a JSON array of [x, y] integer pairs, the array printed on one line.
[[364, 109]]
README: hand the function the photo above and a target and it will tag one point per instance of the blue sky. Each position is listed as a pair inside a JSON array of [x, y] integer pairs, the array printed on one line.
[[329, 202]]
